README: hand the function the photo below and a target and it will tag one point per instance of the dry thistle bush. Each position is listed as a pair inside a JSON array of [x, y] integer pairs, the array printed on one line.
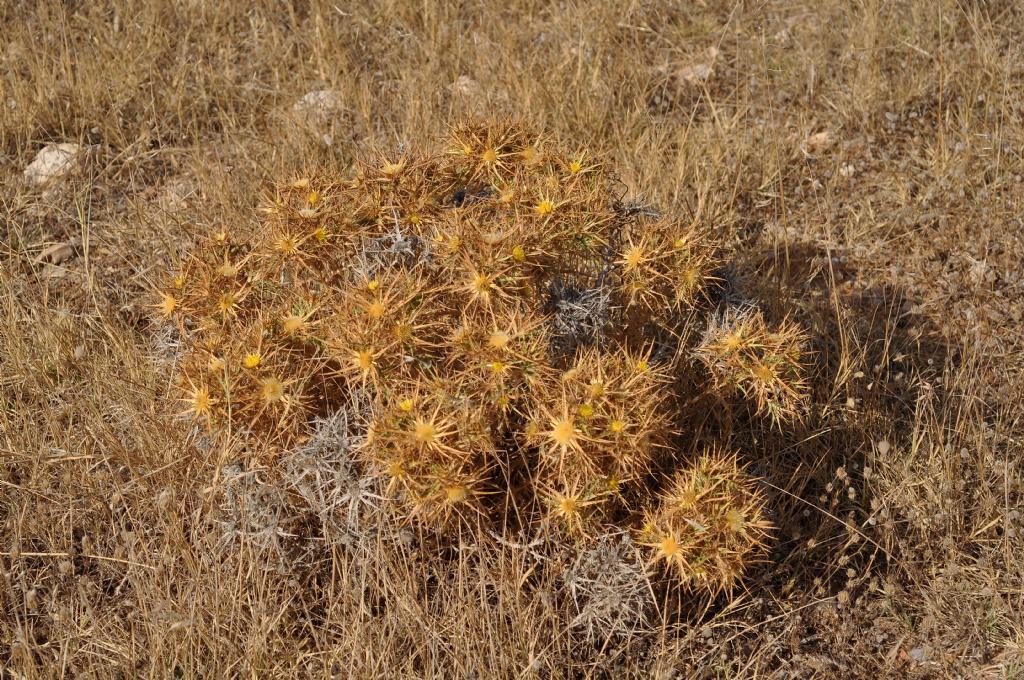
[[527, 341]]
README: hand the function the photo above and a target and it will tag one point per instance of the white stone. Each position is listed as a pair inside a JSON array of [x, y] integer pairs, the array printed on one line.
[[318, 104], [53, 161], [466, 87]]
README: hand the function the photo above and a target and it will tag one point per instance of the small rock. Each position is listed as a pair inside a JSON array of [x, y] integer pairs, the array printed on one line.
[[818, 142], [697, 73], [466, 87], [694, 73], [53, 271], [480, 100], [318, 105], [920, 654], [883, 447], [979, 272], [53, 161], [57, 253]]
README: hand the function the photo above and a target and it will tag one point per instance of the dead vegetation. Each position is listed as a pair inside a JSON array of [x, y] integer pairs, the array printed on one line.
[[859, 165]]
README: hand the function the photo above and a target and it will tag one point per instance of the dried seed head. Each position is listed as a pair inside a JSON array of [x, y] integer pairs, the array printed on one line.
[[271, 390], [424, 432], [292, 324], [563, 432], [499, 340]]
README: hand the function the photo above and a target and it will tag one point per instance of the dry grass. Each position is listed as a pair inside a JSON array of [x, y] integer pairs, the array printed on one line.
[[861, 162]]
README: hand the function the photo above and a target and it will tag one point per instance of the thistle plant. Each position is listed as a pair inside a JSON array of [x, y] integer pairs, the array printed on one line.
[[521, 334], [743, 354], [709, 524]]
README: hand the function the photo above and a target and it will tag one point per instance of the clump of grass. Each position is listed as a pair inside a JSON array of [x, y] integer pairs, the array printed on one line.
[[252, 514], [609, 589], [507, 316]]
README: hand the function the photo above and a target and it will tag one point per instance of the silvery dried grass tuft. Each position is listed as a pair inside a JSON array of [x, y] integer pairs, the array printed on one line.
[[609, 590], [324, 474], [251, 514], [578, 314]]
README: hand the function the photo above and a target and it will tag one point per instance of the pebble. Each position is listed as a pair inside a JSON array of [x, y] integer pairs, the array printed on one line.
[[52, 162]]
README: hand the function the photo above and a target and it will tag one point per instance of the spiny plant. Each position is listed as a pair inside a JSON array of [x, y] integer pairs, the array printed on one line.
[[528, 342], [744, 354], [710, 522]]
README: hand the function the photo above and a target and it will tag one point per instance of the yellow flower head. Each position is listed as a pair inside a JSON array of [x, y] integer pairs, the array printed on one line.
[[228, 270], [633, 257], [227, 303], [686, 499], [364, 360], [201, 402], [402, 332], [481, 284], [669, 548], [168, 304], [568, 505], [376, 310], [735, 520], [764, 373], [252, 360]]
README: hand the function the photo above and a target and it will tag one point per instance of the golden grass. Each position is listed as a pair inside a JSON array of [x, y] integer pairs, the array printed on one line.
[[861, 163]]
